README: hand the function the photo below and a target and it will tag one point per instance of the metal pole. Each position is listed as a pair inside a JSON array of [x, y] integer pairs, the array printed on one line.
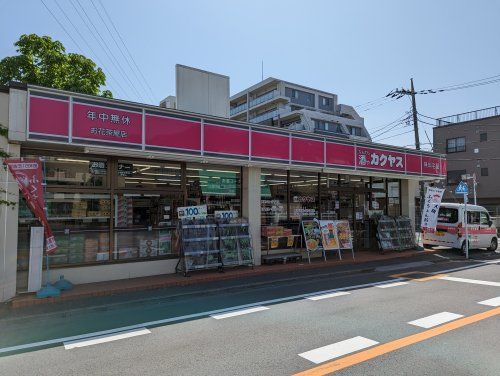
[[415, 118], [475, 197], [466, 230]]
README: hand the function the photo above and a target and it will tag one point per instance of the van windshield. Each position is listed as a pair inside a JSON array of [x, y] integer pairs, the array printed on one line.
[[448, 215]]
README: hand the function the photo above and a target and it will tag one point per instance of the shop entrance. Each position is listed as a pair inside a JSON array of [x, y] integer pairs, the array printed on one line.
[[357, 205]]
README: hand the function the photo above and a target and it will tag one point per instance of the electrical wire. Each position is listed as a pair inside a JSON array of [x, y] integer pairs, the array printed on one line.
[[121, 50], [395, 135], [104, 46], [126, 48], [108, 72]]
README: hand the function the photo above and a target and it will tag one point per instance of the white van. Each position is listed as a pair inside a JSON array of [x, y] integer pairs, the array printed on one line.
[[450, 231]]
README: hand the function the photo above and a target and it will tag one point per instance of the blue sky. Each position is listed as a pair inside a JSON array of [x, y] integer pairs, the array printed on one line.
[[359, 50]]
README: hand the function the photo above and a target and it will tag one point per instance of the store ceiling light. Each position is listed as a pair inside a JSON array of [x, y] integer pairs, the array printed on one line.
[[73, 160], [138, 178], [145, 165], [158, 174]]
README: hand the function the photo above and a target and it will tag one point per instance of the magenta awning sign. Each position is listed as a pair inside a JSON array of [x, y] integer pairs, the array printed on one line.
[[57, 116]]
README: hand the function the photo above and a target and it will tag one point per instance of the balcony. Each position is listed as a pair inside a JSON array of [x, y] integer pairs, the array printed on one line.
[[469, 116], [240, 108], [265, 116], [263, 98]]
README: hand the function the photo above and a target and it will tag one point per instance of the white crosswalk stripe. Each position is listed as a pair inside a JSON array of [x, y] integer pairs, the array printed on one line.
[[435, 320], [335, 350]]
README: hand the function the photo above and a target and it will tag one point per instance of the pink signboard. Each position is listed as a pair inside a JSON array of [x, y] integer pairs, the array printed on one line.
[[225, 140], [129, 126], [48, 116], [106, 124], [379, 159], [307, 150], [431, 165], [174, 133], [413, 163], [340, 154], [270, 145]]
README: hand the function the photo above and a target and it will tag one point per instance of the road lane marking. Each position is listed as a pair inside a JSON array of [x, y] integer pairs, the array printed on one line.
[[335, 350], [326, 296], [388, 347], [395, 284], [435, 320], [170, 320], [238, 313], [407, 265], [473, 281], [494, 302], [418, 276], [105, 338]]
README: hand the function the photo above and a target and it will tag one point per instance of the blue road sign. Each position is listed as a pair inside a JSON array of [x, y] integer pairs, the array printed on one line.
[[462, 188]]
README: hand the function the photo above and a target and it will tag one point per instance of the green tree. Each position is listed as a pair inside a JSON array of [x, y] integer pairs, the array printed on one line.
[[44, 61]]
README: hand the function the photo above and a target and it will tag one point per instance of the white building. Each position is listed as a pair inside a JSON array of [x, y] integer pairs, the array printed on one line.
[[286, 105]]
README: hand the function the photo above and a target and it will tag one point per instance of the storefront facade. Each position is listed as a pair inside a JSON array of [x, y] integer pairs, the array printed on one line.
[[115, 172]]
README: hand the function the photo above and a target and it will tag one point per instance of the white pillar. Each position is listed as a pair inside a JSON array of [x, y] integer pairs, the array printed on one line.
[[251, 207], [408, 191], [8, 227]]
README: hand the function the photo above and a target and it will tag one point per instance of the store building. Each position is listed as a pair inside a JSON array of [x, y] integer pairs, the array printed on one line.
[[471, 141], [115, 172]]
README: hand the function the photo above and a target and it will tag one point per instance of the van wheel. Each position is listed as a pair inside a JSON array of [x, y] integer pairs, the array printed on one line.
[[493, 245], [427, 245]]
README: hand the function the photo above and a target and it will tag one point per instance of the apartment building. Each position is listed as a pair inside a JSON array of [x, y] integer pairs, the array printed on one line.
[[471, 142], [284, 104]]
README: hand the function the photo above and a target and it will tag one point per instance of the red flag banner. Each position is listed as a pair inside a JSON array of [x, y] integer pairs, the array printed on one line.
[[28, 174]]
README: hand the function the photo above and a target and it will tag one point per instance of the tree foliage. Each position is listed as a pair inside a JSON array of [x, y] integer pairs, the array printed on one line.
[[44, 61]]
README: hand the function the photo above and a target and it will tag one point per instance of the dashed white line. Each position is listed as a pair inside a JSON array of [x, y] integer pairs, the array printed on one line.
[[327, 296], [435, 320], [386, 286], [335, 350], [473, 281], [494, 302], [105, 338], [239, 312]]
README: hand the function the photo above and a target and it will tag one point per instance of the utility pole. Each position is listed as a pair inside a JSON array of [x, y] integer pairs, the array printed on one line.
[[415, 119]]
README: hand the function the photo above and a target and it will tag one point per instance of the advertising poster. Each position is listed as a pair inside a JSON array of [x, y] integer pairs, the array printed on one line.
[[329, 235], [312, 235], [196, 212], [433, 197], [344, 234]]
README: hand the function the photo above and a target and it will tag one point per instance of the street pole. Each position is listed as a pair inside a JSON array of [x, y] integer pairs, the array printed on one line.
[[475, 197], [415, 119], [466, 230]]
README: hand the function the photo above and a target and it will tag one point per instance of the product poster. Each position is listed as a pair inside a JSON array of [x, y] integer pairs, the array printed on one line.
[[329, 235], [344, 234], [312, 235]]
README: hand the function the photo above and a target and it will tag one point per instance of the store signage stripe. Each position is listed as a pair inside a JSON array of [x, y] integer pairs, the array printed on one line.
[[435, 320], [388, 285], [338, 349], [472, 281], [327, 296], [105, 338], [239, 313], [494, 302]]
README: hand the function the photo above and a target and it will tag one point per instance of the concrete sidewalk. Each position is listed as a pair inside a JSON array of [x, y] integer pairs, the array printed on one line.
[[171, 280]]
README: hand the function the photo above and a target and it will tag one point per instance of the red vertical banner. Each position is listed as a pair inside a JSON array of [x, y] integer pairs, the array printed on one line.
[[28, 174]]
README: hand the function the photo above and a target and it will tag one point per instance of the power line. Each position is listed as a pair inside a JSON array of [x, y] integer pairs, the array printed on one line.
[[119, 48], [126, 48], [90, 47], [104, 46], [395, 135]]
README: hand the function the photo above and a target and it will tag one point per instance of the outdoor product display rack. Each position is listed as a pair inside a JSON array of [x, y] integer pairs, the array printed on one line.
[[406, 233], [387, 234], [235, 242], [199, 246]]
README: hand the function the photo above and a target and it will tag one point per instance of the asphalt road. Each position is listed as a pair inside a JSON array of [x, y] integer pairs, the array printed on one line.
[[204, 330]]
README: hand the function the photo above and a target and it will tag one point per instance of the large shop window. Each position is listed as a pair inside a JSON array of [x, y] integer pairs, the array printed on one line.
[[148, 175], [273, 197], [219, 187], [144, 225], [304, 200], [80, 223], [74, 171]]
